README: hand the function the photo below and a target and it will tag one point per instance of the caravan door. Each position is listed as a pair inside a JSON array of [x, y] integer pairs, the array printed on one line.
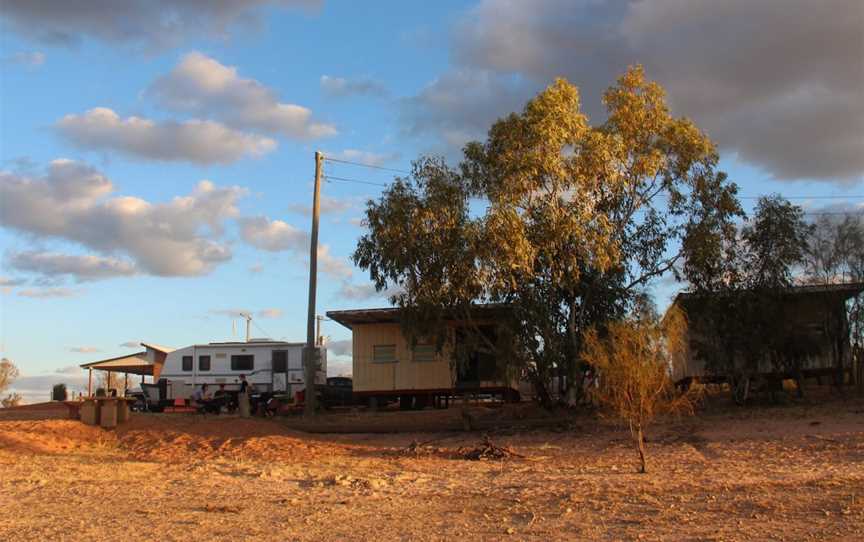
[[280, 369]]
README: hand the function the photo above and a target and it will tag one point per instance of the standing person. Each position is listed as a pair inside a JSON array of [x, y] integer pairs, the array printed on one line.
[[243, 398]]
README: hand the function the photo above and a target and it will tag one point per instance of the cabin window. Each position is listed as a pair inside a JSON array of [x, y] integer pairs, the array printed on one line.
[[384, 353], [187, 363], [244, 362], [280, 361], [424, 352], [203, 363]]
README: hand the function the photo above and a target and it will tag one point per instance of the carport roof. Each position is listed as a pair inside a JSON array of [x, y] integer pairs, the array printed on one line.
[[133, 364]]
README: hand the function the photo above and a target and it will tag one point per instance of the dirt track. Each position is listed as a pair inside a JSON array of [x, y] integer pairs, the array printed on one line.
[[771, 474]]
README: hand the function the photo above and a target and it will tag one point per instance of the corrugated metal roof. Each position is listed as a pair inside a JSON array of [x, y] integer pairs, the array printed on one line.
[[158, 347], [391, 314], [133, 364]]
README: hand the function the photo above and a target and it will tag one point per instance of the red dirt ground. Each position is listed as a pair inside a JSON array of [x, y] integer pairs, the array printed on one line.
[[767, 473]]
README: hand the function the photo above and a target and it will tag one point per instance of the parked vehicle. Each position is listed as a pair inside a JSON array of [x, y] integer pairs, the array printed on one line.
[[339, 391], [269, 367]]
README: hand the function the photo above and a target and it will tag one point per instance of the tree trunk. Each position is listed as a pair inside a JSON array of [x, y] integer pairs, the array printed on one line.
[[640, 446]]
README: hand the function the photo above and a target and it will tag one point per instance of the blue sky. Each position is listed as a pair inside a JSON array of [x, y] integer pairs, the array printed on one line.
[[214, 89]]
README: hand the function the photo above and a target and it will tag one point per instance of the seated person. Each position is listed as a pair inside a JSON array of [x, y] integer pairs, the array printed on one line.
[[201, 398]]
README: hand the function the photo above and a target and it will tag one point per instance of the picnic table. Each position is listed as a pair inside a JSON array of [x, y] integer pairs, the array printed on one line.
[[103, 411]]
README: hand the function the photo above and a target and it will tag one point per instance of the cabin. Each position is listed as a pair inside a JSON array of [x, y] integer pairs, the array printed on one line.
[[271, 366], [814, 317], [386, 367]]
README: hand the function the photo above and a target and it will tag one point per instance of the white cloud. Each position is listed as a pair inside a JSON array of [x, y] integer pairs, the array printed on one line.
[[272, 235], [787, 100], [48, 293], [361, 86], [270, 313], [334, 266], [232, 313], [327, 205], [81, 268], [201, 85], [84, 349], [8, 282], [151, 24], [131, 344], [340, 348], [32, 59], [257, 268], [279, 236], [70, 202], [359, 292], [200, 141], [364, 157]]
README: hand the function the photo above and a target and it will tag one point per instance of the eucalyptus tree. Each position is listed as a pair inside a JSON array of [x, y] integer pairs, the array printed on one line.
[[564, 222]]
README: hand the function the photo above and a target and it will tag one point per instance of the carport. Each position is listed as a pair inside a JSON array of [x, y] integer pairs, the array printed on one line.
[[134, 364]]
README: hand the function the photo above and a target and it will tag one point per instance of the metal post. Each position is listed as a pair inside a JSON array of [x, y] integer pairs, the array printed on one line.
[[310, 353], [90, 382]]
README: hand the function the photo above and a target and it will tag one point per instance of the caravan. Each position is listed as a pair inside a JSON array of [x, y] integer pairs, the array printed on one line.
[[269, 366]]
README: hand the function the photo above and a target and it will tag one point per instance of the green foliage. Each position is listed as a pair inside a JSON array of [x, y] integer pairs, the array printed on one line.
[[577, 220], [633, 358], [740, 279]]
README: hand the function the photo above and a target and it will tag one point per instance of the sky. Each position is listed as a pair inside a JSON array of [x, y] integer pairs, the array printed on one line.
[[157, 156]]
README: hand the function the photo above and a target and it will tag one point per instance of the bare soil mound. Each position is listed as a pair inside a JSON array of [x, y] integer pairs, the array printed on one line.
[[178, 438], [52, 437]]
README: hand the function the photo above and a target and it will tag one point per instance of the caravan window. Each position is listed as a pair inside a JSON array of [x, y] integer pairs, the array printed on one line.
[[187, 363], [244, 362], [203, 363], [384, 353]]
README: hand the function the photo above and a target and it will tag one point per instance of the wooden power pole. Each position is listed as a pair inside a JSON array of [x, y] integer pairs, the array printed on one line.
[[310, 353]]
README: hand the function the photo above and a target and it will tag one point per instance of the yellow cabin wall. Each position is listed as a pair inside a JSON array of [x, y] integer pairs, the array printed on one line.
[[403, 374]]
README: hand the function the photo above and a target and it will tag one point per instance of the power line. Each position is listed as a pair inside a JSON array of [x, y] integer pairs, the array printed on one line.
[[358, 181], [371, 166]]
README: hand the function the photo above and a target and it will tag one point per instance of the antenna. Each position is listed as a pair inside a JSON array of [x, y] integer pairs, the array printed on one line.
[[248, 318]]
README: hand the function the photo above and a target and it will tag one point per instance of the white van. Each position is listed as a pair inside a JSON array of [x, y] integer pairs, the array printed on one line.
[[269, 365]]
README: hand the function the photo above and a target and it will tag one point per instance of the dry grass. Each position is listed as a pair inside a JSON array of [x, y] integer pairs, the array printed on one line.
[[782, 473]]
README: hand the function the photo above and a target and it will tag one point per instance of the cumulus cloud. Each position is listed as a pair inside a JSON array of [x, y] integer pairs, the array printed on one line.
[[362, 292], [332, 265], [272, 235], [84, 349], [461, 104], [340, 348], [364, 157], [779, 83], [81, 268], [200, 141], [71, 202], [48, 293], [342, 87], [270, 313], [153, 24], [328, 205], [31, 59], [279, 236], [202, 86]]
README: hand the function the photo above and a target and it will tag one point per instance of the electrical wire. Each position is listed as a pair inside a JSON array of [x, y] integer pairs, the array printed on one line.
[[357, 181], [371, 166]]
